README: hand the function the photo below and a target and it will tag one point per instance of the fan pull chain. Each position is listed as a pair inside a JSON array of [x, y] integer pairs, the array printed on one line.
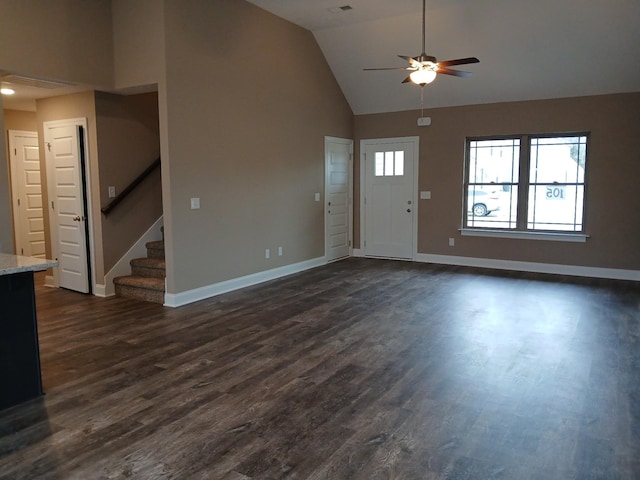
[[422, 101]]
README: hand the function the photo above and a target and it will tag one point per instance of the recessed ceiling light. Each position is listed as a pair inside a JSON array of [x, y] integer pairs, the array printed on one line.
[[7, 91]]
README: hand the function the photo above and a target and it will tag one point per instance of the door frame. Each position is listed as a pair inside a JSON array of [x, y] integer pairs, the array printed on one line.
[[13, 168], [364, 143], [53, 226], [342, 141]]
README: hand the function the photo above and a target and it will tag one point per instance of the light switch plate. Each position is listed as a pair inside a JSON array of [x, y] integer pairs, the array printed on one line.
[[425, 195], [317, 196], [112, 192], [195, 203]]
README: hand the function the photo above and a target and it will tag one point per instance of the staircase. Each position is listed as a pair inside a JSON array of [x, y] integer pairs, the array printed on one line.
[[146, 281]]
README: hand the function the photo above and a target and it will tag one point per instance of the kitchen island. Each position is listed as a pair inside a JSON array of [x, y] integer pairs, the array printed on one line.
[[20, 378]]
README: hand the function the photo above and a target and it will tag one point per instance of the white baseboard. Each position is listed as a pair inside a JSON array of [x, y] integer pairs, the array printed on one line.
[[190, 296], [357, 252], [122, 267], [552, 268], [100, 290]]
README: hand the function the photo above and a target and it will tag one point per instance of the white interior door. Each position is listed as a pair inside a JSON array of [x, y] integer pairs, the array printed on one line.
[[338, 160], [28, 221], [67, 205], [390, 172]]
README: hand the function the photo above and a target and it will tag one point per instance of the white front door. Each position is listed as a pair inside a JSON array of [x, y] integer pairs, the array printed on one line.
[[338, 153], [67, 205], [390, 172], [28, 221]]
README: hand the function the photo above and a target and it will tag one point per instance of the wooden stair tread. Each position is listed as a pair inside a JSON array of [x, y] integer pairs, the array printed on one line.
[[149, 283], [156, 244]]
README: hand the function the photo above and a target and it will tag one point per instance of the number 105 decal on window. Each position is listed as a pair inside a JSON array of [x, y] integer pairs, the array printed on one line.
[[556, 193]]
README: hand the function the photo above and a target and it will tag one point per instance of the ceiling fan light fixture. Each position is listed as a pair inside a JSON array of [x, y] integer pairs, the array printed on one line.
[[423, 76], [7, 91]]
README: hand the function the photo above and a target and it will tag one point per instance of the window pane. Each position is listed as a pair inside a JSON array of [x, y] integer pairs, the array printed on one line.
[[399, 163], [379, 160], [493, 208], [388, 164], [557, 159], [494, 161], [553, 207]]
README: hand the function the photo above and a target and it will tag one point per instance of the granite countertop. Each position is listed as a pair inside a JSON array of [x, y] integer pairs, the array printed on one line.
[[10, 264]]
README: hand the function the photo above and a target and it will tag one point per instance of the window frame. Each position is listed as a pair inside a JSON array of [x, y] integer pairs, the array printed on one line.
[[521, 228]]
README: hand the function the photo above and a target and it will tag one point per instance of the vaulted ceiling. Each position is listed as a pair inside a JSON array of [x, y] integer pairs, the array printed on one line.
[[527, 49]]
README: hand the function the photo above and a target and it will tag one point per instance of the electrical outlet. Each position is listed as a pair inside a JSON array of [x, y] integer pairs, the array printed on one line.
[[267, 254], [279, 251], [452, 242], [112, 192], [195, 203]]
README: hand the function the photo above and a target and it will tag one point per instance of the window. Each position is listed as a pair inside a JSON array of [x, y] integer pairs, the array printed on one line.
[[526, 183], [389, 164]]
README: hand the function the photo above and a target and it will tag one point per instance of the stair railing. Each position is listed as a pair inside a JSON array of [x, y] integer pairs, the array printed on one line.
[[126, 191]]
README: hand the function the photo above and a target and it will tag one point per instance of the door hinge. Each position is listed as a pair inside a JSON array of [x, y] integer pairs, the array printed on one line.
[[18, 202], [15, 151], [22, 251], [52, 207], [349, 243]]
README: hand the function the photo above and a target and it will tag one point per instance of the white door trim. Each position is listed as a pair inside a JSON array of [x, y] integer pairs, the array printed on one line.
[[78, 122], [342, 141], [379, 141]]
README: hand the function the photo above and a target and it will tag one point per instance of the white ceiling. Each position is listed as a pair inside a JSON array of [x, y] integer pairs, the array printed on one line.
[[28, 90], [527, 49]]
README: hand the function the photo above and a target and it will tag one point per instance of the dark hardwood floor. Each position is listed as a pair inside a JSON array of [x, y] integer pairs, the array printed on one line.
[[362, 369]]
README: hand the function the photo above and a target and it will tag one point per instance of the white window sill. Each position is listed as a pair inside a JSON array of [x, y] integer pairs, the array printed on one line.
[[556, 237]]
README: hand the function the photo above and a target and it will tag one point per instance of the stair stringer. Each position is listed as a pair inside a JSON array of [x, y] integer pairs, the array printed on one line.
[[138, 250]]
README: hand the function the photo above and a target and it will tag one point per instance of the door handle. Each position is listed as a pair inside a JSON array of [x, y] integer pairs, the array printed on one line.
[[76, 218], [409, 210]]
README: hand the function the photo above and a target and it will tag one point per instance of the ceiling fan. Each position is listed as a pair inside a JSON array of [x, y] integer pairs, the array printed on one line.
[[424, 68]]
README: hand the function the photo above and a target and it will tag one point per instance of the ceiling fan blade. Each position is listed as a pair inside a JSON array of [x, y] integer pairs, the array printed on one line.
[[459, 61], [455, 73], [414, 63], [407, 80], [390, 68]]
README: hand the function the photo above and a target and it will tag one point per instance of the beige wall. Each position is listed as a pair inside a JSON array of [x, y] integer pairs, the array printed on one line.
[[250, 98], [138, 42], [6, 223], [64, 107], [62, 40], [613, 171], [128, 142], [19, 120]]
